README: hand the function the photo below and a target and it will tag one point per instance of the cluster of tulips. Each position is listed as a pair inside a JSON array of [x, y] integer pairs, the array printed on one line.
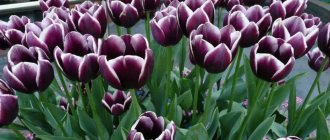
[[68, 77]]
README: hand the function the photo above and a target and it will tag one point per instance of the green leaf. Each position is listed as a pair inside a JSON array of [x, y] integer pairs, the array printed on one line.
[[185, 100], [87, 124], [250, 80], [8, 135], [175, 112], [322, 128], [197, 132], [262, 129], [180, 134], [35, 118], [34, 128], [280, 94], [229, 120], [52, 114], [279, 130], [48, 137], [213, 125]]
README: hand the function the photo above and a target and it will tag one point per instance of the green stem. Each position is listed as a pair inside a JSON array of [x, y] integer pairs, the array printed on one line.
[[227, 76], [269, 99], [147, 25], [134, 98], [129, 31], [18, 134], [197, 70], [183, 55], [233, 87], [169, 65], [210, 90], [118, 29], [319, 87], [82, 97], [95, 116], [219, 16]]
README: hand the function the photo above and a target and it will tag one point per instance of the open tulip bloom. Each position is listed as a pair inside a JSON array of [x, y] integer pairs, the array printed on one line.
[[68, 76]]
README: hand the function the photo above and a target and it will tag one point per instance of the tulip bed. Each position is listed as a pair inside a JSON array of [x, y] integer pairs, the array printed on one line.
[[187, 78]]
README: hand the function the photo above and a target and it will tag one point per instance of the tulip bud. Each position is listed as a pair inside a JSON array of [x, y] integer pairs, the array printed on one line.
[[126, 61], [117, 103], [90, 18], [165, 27], [149, 126], [294, 31], [316, 59], [290, 138], [17, 23], [77, 60], [192, 13], [213, 49], [310, 20], [122, 14], [28, 70], [294, 7], [64, 105], [277, 10], [272, 59], [8, 104], [46, 4], [174, 3], [59, 15], [324, 39]]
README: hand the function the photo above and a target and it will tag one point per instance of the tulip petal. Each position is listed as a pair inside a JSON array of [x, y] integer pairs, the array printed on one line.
[[238, 20], [89, 25], [19, 53], [45, 75], [299, 45], [197, 18], [8, 109], [14, 36], [267, 66], [129, 16], [53, 36], [139, 43], [88, 68], [252, 31], [13, 81], [157, 33], [277, 10], [71, 65], [108, 73], [27, 73], [279, 30], [112, 47], [146, 68], [218, 59]]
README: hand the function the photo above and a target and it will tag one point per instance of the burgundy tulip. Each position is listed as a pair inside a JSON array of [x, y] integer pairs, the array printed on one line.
[[272, 59], [59, 15], [28, 70], [253, 22], [174, 3], [294, 31], [117, 103], [213, 49], [310, 20], [17, 23], [294, 7], [126, 61], [64, 105], [12, 32], [192, 13], [122, 14], [77, 60], [316, 59], [253, 2], [150, 5], [149, 126], [324, 39], [8, 104], [46, 4], [165, 27], [90, 18], [277, 10]]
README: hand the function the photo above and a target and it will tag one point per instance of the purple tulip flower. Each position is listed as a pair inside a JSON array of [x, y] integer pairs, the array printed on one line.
[[310, 20], [324, 39], [294, 7], [28, 70], [117, 103], [174, 3], [277, 10], [316, 59], [46, 4], [8, 104], [294, 31], [126, 61], [253, 22], [253, 2], [192, 13], [60, 15], [126, 15], [272, 59], [165, 27], [90, 18], [77, 60], [149, 126], [213, 49]]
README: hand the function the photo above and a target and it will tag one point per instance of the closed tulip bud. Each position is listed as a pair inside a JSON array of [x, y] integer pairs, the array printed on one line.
[[77, 60], [324, 39], [294, 7], [122, 14], [59, 15], [28, 70], [174, 3], [8, 104], [117, 103], [253, 22], [294, 31], [213, 49], [126, 61], [165, 27], [17, 23], [316, 59], [90, 18], [192, 13], [310, 20], [46, 4], [149, 126], [64, 105], [272, 59], [277, 10]]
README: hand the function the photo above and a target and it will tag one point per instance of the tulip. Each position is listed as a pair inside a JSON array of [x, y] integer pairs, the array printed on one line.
[[165, 27], [117, 103], [28, 70], [294, 31], [213, 49], [253, 22], [64, 105], [174, 3], [253, 2], [90, 19], [12, 32], [126, 61], [150, 5], [324, 39], [8, 104], [46, 4], [149, 126], [77, 60], [294, 7], [17, 23], [310, 20], [122, 14], [277, 10], [59, 15], [272, 59], [316, 59], [192, 13], [290, 138]]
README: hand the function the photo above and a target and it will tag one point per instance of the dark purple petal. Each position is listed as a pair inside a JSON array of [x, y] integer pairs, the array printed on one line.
[[71, 65], [101, 17], [129, 16], [88, 68], [277, 10], [294, 25], [45, 75], [14, 36], [252, 31], [26, 72], [8, 109], [13, 81], [199, 48], [238, 20], [264, 24], [183, 13], [146, 68], [19, 53], [139, 43], [117, 109], [108, 73], [279, 30], [89, 25], [299, 45], [75, 43], [197, 18], [218, 59], [324, 39], [53, 36], [157, 33], [5, 88], [112, 47]]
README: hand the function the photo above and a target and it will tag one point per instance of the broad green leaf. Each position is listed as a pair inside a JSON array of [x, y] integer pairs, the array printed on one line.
[[227, 122], [8, 135], [34, 128], [185, 100], [197, 132], [35, 118], [175, 112], [180, 134], [49, 137], [322, 128], [262, 129], [87, 124], [53, 114], [278, 129], [213, 124], [250, 80]]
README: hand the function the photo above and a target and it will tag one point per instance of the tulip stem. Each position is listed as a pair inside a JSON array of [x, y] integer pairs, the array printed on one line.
[[82, 96], [118, 30], [93, 107], [219, 16], [319, 87], [168, 77], [269, 99], [147, 25], [233, 87], [197, 70], [18, 134], [210, 91], [128, 30], [183, 55], [227, 76]]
